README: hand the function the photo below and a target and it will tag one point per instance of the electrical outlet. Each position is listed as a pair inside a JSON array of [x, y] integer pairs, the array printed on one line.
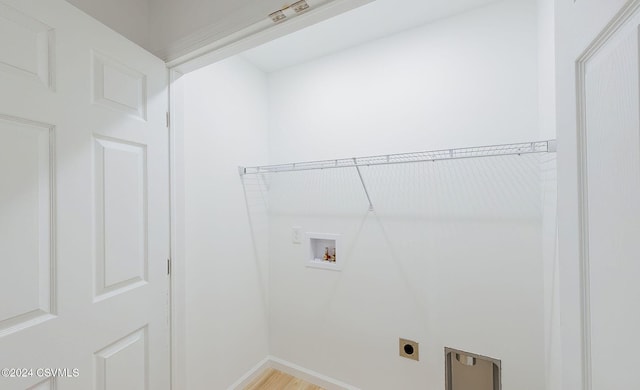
[[409, 349], [296, 234]]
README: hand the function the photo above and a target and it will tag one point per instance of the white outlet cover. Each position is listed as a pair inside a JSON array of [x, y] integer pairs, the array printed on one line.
[[296, 234]]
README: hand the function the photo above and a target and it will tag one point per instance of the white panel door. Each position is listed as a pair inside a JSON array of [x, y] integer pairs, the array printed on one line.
[[602, 42], [84, 222]]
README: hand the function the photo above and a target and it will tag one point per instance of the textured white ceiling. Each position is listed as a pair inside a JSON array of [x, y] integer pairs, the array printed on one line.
[[371, 21]]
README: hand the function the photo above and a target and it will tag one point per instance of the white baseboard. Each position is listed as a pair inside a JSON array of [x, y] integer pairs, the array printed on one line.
[[251, 374], [291, 369]]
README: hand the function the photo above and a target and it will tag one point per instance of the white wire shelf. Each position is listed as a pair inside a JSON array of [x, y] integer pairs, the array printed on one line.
[[404, 158]]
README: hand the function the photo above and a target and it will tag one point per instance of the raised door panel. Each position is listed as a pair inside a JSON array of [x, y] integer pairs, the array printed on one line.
[[121, 216], [26, 223], [47, 384], [27, 46], [118, 86], [123, 364]]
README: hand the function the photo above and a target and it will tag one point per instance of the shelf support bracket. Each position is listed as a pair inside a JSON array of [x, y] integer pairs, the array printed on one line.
[[364, 186]]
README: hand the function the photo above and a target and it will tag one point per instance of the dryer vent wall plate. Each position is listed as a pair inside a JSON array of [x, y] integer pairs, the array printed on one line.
[[465, 370], [409, 349]]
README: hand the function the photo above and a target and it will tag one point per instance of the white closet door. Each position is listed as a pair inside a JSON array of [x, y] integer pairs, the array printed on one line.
[[84, 222], [604, 65]]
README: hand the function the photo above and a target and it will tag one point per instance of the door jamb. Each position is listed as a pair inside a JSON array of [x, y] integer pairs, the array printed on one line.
[[212, 52]]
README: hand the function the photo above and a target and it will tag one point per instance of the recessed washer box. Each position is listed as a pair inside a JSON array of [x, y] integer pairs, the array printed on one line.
[[324, 251]]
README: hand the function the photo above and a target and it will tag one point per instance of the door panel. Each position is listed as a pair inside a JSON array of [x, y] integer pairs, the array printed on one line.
[[122, 365], [118, 86], [27, 46], [47, 384], [26, 217], [84, 226], [121, 215]]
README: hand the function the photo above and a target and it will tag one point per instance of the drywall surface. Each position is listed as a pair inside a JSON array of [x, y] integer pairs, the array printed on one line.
[[453, 254], [373, 20], [451, 257], [547, 121], [552, 324], [547, 68], [463, 81], [225, 125]]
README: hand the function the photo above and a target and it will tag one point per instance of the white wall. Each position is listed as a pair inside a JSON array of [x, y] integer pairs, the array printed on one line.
[[547, 123], [547, 68], [468, 80], [225, 125], [453, 255]]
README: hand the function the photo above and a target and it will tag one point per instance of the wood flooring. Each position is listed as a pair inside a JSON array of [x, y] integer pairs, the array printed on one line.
[[272, 379]]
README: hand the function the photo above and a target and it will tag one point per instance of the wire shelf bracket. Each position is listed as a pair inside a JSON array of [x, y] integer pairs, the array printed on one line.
[[364, 186], [549, 146]]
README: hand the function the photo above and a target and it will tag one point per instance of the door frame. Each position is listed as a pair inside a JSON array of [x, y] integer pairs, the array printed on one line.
[[574, 49], [629, 11], [245, 39]]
